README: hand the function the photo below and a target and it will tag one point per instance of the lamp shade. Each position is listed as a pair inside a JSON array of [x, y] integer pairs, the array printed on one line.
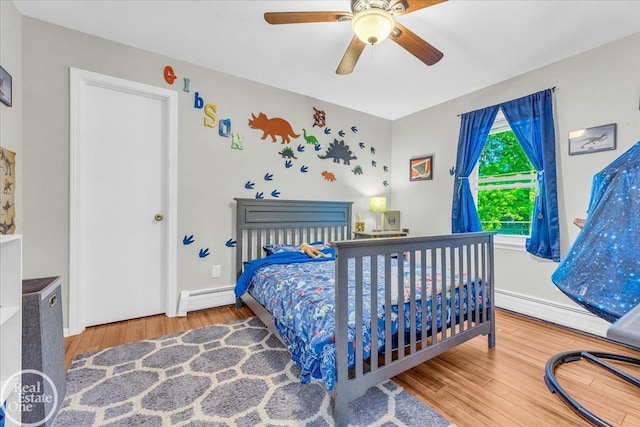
[[378, 204], [372, 25]]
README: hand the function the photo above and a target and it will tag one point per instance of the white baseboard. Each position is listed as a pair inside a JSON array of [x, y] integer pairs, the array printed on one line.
[[205, 298], [574, 317], [198, 300]]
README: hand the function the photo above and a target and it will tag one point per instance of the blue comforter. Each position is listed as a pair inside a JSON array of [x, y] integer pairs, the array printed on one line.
[[278, 258], [299, 292]]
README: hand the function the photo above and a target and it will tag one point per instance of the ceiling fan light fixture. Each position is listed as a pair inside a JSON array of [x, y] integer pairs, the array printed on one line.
[[372, 25]]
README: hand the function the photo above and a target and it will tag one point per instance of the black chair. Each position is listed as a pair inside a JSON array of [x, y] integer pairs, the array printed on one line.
[[625, 330]]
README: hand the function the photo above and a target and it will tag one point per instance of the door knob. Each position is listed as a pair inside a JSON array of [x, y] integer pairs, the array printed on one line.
[[158, 217]]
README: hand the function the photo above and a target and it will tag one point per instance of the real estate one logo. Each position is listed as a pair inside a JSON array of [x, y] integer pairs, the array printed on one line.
[[21, 398]]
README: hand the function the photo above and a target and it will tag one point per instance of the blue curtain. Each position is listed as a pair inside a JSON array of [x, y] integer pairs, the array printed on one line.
[[474, 130], [531, 119]]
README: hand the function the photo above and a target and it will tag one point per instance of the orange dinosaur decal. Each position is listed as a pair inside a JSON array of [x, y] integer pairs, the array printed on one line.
[[272, 127], [329, 176]]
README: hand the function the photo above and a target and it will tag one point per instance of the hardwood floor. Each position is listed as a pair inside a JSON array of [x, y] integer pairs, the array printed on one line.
[[471, 385]]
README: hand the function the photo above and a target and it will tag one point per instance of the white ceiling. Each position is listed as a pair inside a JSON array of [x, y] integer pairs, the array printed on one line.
[[484, 42]]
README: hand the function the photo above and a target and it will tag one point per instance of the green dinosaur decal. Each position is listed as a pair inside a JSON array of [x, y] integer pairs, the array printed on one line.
[[309, 138]]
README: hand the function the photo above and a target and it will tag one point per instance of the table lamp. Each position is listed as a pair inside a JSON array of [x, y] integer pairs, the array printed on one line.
[[379, 206]]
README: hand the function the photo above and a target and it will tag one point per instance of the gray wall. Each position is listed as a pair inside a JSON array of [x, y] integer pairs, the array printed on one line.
[[210, 172], [597, 87], [11, 117]]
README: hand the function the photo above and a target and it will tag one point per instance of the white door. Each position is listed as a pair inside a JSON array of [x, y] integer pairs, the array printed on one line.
[[123, 200]]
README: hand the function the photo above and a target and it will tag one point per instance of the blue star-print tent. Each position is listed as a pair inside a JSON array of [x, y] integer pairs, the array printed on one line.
[[601, 272]]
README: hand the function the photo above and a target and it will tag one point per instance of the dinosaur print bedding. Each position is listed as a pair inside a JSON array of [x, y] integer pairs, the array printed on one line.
[[300, 296]]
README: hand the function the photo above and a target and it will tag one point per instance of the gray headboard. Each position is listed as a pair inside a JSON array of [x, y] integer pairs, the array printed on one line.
[[287, 221]]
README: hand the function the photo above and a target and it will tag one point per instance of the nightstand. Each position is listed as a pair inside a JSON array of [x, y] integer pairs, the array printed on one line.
[[377, 234]]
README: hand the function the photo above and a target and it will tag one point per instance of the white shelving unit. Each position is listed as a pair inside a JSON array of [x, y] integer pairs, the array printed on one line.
[[10, 316]]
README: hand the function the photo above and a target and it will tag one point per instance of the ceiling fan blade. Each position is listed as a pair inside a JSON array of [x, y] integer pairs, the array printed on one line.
[[411, 5], [305, 17], [415, 45], [350, 58]]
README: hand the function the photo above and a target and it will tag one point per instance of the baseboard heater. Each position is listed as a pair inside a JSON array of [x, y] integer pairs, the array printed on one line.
[[205, 298]]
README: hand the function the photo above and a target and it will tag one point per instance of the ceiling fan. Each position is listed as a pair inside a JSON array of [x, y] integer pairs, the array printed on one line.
[[372, 22]]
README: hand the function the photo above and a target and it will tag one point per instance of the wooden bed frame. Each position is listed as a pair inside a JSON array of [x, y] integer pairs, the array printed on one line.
[[295, 221]]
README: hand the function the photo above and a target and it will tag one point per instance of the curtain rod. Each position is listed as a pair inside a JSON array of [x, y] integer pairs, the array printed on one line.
[[553, 89]]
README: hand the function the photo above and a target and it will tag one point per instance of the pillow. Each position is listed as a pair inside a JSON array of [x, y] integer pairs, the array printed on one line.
[[276, 248]]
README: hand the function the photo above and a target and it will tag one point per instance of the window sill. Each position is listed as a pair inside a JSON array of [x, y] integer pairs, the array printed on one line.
[[511, 243]]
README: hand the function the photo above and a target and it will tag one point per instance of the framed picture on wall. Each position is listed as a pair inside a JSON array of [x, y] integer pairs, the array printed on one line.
[[421, 168], [591, 140], [5, 87]]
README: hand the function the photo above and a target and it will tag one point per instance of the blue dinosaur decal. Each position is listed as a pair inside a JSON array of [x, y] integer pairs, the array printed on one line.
[[249, 185], [268, 176], [385, 168], [287, 153], [374, 163], [275, 193], [188, 240], [231, 243], [259, 195], [337, 151], [341, 133], [385, 183], [327, 131], [452, 171], [373, 150], [361, 145], [317, 147], [300, 148], [304, 169], [354, 129], [203, 253], [288, 164]]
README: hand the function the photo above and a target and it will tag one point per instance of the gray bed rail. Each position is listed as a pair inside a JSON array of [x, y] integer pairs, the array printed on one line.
[[468, 257]]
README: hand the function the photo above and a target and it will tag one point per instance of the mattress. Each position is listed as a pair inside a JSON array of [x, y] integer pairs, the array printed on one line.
[[300, 297]]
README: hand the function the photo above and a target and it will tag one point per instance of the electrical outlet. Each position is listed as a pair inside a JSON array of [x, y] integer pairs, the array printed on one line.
[[216, 271]]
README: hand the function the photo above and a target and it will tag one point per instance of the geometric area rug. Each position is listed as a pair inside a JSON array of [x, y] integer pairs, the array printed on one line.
[[231, 374]]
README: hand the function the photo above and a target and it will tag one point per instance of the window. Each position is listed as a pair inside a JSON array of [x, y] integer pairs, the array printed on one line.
[[532, 120], [504, 183]]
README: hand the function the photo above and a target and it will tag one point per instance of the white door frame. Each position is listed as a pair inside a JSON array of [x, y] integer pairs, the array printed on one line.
[[79, 80]]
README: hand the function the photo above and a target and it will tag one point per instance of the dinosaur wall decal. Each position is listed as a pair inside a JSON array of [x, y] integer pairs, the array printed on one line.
[[309, 138], [272, 127], [337, 151], [287, 153], [319, 118], [329, 176]]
